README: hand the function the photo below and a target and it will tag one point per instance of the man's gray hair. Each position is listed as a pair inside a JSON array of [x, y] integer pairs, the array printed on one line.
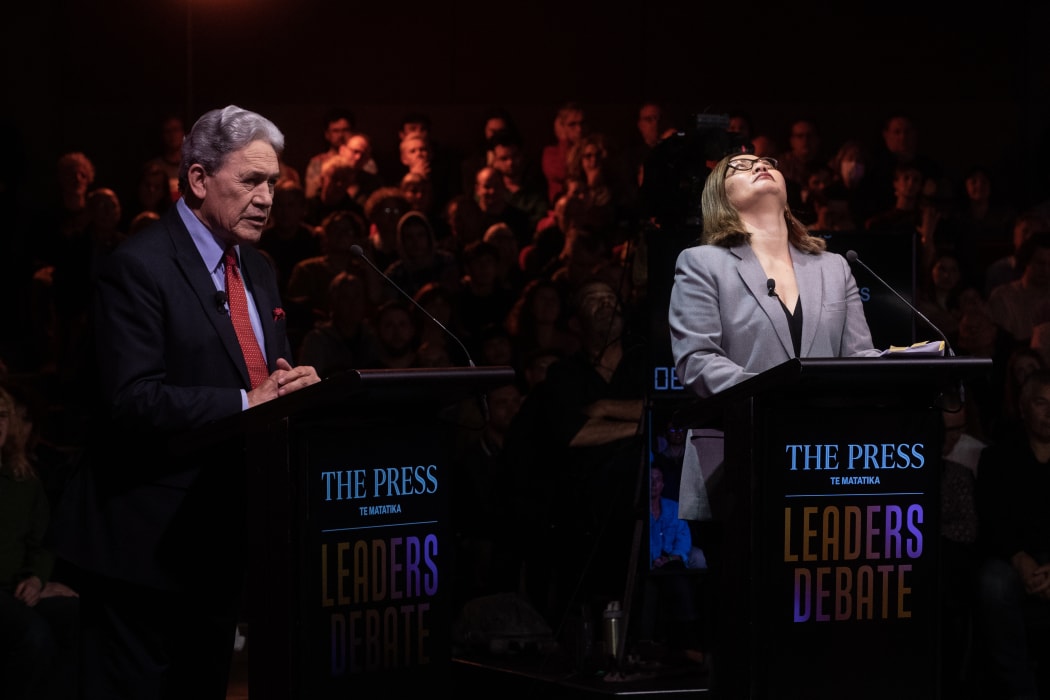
[[220, 132]]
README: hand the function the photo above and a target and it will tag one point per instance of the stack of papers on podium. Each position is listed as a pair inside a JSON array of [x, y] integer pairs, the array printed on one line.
[[934, 348]]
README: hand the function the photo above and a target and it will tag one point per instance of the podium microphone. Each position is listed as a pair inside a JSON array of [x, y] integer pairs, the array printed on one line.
[[357, 251], [851, 255]]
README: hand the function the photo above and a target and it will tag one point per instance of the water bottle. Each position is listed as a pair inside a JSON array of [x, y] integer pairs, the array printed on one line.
[[612, 629]]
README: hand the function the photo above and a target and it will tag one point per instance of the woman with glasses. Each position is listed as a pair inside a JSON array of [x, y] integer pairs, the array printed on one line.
[[759, 290]]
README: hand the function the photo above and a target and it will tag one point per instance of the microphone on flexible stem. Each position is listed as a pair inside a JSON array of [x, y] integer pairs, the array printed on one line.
[[851, 255], [771, 285], [220, 301], [356, 250], [482, 398]]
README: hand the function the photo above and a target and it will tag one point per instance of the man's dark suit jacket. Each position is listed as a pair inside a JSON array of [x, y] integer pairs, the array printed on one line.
[[168, 362]]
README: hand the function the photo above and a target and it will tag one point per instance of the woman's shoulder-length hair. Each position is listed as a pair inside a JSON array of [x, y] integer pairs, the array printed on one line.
[[724, 227]]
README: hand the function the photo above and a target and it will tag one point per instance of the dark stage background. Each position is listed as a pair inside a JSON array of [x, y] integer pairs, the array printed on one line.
[[99, 76]]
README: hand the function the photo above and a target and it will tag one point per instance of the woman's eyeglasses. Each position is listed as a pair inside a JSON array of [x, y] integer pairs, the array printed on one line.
[[745, 164]]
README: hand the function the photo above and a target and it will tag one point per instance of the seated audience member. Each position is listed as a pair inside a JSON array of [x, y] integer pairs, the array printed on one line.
[[289, 239], [804, 151], [488, 553], [607, 202], [817, 179], [960, 453], [338, 125], [358, 152], [938, 295], [576, 442], [345, 339], [1013, 497], [852, 176], [490, 194], [306, 294], [904, 212], [538, 320], [1020, 363], [570, 124], [338, 177], [420, 260], [51, 443], [421, 150], [764, 145], [383, 211], [430, 354], [438, 347], [655, 123], [398, 335], [481, 299], [1005, 269], [584, 253], [465, 223], [534, 365], [978, 333], [900, 144], [510, 274], [1040, 340], [507, 155], [833, 210], [1013, 305], [571, 208], [495, 120], [495, 347], [668, 453], [38, 616], [153, 192], [419, 192], [923, 214], [982, 215], [669, 602]]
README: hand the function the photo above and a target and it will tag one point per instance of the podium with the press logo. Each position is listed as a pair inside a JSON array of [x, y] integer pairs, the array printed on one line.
[[350, 545], [829, 501]]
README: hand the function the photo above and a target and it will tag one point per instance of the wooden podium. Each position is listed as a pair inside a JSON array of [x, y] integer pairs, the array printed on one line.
[[829, 502], [349, 582]]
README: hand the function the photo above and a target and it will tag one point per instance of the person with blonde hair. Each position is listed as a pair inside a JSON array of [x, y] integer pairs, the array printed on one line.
[[758, 291], [758, 275], [1013, 581], [570, 124]]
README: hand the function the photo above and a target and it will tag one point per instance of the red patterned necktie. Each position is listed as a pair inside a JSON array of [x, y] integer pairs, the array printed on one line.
[[242, 323]]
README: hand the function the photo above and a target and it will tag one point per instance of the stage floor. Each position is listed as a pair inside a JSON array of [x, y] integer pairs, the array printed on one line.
[[526, 668], [553, 675], [523, 677]]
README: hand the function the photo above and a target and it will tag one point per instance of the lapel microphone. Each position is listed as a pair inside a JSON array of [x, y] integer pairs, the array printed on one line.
[[771, 287], [220, 301]]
